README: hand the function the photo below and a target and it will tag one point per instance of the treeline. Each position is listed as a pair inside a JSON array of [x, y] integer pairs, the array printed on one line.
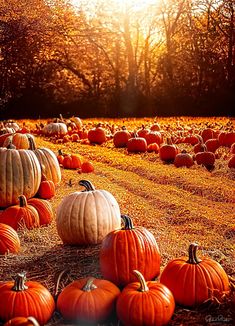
[[176, 57]]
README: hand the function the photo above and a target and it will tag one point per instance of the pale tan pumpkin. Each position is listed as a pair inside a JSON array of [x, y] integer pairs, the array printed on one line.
[[20, 174], [55, 128], [86, 217], [49, 163]]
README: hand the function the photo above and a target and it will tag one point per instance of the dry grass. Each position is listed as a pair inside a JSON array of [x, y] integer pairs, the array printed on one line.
[[178, 206]]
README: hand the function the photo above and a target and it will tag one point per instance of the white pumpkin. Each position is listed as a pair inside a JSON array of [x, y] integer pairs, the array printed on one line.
[[55, 128], [86, 217]]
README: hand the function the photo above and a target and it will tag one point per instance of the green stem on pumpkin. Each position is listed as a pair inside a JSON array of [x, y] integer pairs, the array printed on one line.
[[128, 224], [192, 253], [19, 284], [89, 286], [143, 285], [87, 184]]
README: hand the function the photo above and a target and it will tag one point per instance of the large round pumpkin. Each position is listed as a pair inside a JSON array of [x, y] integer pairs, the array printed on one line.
[[126, 249], [85, 217], [25, 298], [88, 300], [20, 174], [55, 129], [9, 240], [193, 281], [145, 303]]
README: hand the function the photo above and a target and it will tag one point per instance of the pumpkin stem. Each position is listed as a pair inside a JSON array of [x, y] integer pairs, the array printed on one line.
[[32, 145], [33, 321], [89, 286], [87, 184], [10, 145], [23, 201], [192, 253], [60, 152], [56, 292], [128, 224], [143, 284], [19, 284]]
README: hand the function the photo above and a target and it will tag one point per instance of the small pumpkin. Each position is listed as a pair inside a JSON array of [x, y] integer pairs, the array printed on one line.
[[168, 151], [9, 240], [193, 281], [46, 189], [85, 217], [20, 216], [154, 147], [136, 145], [25, 298], [20, 141], [97, 135], [153, 137], [205, 158], [44, 209], [88, 300], [22, 321], [87, 167], [121, 137], [117, 261], [183, 159], [212, 145], [72, 162], [145, 303], [207, 133]]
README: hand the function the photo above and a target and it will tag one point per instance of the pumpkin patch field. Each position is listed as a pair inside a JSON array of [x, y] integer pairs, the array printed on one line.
[[117, 221]]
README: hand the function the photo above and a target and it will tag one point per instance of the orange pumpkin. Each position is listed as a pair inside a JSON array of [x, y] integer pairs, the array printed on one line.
[[212, 145], [9, 240], [205, 158], [117, 263], [22, 215], [145, 303], [25, 298], [168, 152], [87, 167], [46, 189], [136, 145], [72, 162], [88, 300], [20, 141], [44, 209], [183, 159], [193, 281], [97, 135], [121, 137]]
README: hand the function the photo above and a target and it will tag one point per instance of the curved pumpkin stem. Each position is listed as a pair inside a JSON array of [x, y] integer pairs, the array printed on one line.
[[33, 321], [87, 184], [128, 224], [89, 286], [192, 253], [10, 145], [143, 284], [56, 292], [23, 201], [32, 145], [19, 284]]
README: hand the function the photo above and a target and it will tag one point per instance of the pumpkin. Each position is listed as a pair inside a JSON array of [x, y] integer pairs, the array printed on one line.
[[22, 321], [88, 300], [126, 249], [85, 217], [154, 147], [153, 137], [231, 162], [46, 189], [60, 156], [87, 167], [9, 240], [207, 133], [183, 159], [44, 209], [25, 298], [136, 145], [212, 145], [193, 281], [121, 137], [97, 135], [20, 174], [145, 303], [205, 158], [142, 132], [226, 138], [20, 141], [71, 162], [4, 136], [155, 127], [22, 215], [78, 122], [191, 139], [49, 163], [75, 137], [55, 129], [168, 151]]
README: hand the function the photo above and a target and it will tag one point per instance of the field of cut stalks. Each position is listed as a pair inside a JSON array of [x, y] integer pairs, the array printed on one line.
[[178, 205]]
